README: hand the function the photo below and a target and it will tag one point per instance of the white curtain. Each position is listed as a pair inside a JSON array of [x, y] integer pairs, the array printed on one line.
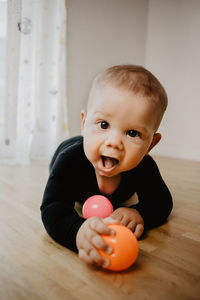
[[34, 110]]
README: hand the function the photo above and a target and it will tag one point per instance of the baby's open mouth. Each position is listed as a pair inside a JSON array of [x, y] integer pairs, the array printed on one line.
[[109, 162]]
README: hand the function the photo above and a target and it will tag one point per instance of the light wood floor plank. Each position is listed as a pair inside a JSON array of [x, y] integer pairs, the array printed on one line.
[[33, 266]]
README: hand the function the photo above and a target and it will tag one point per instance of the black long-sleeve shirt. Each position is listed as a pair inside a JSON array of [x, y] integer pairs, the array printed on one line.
[[72, 179]]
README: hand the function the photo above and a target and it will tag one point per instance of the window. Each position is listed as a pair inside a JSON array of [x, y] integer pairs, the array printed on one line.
[[3, 21]]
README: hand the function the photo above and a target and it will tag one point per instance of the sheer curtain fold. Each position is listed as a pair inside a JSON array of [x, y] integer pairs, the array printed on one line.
[[35, 105]]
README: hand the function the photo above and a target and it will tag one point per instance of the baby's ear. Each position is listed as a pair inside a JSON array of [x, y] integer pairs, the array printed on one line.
[[155, 141], [83, 117]]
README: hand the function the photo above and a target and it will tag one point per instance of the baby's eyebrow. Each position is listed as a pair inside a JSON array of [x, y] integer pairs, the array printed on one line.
[[139, 128], [102, 113], [142, 129]]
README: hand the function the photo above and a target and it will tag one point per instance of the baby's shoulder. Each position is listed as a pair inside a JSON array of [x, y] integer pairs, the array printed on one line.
[[147, 165], [68, 155], [70, 145]]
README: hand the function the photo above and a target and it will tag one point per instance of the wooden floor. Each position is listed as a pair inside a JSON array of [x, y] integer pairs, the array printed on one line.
[[32, 266]]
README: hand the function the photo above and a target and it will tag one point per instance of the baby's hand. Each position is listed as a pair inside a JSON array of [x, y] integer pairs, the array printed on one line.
[[130, 218], [88, 240]]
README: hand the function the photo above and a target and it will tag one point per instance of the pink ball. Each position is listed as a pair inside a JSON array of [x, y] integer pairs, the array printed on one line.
[[97, 206]]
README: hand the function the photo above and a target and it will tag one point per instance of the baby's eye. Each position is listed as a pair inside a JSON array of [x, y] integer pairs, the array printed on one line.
[[103, 124], [133, 133]]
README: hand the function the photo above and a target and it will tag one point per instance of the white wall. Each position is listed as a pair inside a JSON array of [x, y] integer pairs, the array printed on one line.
[[173, 54], [163, 35], [101, 33]]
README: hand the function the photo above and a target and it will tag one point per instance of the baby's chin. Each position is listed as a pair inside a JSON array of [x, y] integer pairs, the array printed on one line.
[[109, 175]]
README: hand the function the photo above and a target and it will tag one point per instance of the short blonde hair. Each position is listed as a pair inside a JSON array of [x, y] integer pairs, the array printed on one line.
[[133, 78]]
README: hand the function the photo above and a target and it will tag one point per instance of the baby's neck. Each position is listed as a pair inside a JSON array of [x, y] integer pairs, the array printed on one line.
[[107, 185]]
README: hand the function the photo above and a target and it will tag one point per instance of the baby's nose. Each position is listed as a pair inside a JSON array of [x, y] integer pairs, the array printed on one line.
[[114, 140]]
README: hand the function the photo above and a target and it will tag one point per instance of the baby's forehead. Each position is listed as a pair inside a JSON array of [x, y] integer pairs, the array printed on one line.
[[99, 102], [109, 91]]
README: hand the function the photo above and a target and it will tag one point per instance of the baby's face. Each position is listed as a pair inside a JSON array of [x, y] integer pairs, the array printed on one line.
[[118, 130]]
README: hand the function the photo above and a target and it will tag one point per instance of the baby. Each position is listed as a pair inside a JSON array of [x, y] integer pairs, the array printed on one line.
[[119, 128]]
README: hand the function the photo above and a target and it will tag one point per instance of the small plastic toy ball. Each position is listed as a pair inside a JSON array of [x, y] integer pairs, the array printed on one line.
[[125, 248], [97, 206]]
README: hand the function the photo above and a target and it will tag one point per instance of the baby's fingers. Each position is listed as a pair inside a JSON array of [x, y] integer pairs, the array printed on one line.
[[110, 221], [98, 259], [92, 257], [132, 225], [139, 230], [85, 257], [99, 243], [97, 224]]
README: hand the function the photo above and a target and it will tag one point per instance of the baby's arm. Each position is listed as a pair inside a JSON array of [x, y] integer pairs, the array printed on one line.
[[59, 216], [130, 218], [88, 240], [155, 201]]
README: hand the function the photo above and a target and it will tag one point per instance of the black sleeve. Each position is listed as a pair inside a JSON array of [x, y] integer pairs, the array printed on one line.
[[59, 217], [155, 201]]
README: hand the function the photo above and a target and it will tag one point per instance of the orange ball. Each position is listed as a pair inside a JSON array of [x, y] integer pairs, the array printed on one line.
[[125, 248]]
